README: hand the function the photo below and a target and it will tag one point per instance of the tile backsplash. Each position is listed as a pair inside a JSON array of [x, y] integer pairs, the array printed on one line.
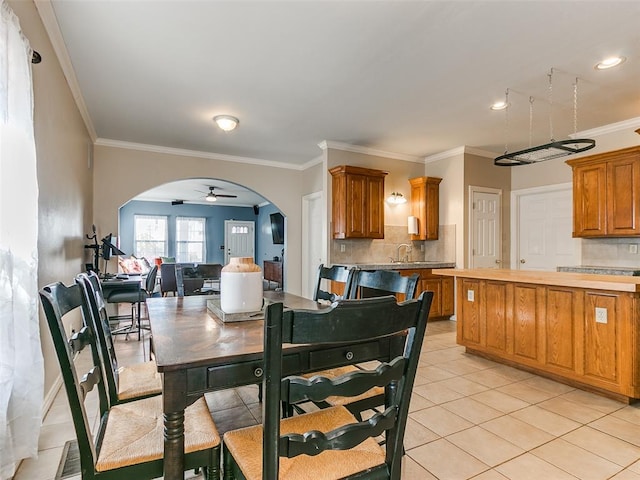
[[611, 252], [374, 251]]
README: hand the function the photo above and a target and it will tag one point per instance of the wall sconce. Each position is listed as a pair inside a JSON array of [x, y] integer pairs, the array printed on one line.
[[412, 224], [396, 198]]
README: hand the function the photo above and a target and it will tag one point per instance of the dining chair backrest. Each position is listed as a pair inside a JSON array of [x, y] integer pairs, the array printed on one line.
[[58, 301], [345, 321], [150, 281], [376, 283], [337, 273], [168, 278], [97, 319]]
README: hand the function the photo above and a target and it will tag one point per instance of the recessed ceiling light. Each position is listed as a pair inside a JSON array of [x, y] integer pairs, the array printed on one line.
[[609, 63], [226, 122], [501, 105]]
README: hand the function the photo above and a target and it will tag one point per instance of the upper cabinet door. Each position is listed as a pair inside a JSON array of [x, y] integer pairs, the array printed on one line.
[[623, 183], [589, 200], [357, 202], [425, 205]]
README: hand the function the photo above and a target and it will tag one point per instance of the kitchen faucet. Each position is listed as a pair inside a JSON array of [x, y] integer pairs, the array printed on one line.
[[407, 251]]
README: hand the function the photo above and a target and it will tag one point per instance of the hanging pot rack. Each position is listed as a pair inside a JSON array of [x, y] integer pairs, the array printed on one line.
[[551, 150]]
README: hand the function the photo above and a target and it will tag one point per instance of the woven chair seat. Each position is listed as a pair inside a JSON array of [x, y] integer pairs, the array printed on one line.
[[139, 380], [337, 372], [246, 447], [134, 432]]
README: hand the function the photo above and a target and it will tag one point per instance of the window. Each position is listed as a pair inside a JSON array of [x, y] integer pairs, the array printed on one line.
[[190, 239], [150, 234]]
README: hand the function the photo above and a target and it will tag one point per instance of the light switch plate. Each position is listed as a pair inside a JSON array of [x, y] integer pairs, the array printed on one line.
[[470, 295], [342, 247], [601, 315]]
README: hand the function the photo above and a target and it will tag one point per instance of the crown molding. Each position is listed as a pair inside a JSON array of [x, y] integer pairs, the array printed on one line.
[[311, 163], [630, 124], [346, 147], [479, 152], [446, 154], [50, 22], [105, 142], [459, 151]]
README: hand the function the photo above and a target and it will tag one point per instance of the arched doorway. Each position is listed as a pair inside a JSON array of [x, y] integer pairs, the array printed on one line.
[[187, 227]]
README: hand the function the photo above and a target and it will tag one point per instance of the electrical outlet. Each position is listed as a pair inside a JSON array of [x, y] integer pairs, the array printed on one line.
[[470, 295], [601, 315], [633, 248], [342, 247], [422, 247]]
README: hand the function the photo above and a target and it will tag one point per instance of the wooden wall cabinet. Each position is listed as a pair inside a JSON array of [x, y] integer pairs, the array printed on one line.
[[358, 202], [425, 205], [606, 194]]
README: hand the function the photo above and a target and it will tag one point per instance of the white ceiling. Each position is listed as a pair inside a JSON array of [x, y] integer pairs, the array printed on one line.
[[411, 77]]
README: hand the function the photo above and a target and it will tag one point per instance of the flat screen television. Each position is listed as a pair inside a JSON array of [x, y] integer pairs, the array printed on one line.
[[277, 228]]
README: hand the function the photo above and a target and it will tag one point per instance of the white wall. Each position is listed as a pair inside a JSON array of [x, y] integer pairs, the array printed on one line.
[[451, 170]]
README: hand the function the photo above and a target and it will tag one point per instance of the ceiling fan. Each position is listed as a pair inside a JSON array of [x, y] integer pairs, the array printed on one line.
[[212, 197]]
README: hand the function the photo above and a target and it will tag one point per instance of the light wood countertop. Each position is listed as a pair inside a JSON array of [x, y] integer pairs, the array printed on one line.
[[618, 283]]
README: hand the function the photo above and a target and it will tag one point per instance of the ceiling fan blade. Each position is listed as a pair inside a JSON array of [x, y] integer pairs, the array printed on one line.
[[177, 202], [226, 196]]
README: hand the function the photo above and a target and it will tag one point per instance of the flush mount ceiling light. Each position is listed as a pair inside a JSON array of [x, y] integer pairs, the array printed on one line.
[[548, 151], [609, 63], [396, 198], [502, 104], [226, 122]]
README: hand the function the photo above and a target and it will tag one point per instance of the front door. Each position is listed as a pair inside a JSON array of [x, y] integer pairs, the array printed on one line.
[[239, 239]]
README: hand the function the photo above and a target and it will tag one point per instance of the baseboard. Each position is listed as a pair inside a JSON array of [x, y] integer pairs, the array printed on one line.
[[51, 395]]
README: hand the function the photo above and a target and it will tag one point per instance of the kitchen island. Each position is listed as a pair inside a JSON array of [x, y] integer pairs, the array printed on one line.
[[580, 329]]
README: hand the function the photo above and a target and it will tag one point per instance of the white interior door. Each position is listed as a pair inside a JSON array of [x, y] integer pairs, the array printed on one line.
[[313, 240], [544, 226], [486, 227], [239, 239]]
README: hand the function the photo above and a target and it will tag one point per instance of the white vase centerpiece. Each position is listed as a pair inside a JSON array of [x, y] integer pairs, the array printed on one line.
[[241, 286]]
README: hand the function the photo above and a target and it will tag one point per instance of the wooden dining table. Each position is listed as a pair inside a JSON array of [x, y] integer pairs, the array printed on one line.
[[197, 352]]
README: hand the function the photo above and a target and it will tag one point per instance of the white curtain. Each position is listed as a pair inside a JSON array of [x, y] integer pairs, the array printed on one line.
[[21, 364]]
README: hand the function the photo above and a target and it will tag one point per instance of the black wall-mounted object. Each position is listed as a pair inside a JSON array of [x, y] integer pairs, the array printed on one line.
[[256, 209], [277, 228]]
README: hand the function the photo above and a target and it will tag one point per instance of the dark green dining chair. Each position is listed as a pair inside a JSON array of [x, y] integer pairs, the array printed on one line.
[[336, 273], [331, 444], [127, 440], [136, 298], [124, 383], [373, 283]]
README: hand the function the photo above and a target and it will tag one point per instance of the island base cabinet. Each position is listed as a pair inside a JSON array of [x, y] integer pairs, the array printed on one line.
[[586, 338]]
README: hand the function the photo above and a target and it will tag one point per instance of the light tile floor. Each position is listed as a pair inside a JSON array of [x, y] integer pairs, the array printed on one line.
[[470, 418]]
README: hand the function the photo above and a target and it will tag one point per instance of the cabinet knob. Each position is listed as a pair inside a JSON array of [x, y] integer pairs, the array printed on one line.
[[258, 372], [349, 355], [522, 260], [498, 262]]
